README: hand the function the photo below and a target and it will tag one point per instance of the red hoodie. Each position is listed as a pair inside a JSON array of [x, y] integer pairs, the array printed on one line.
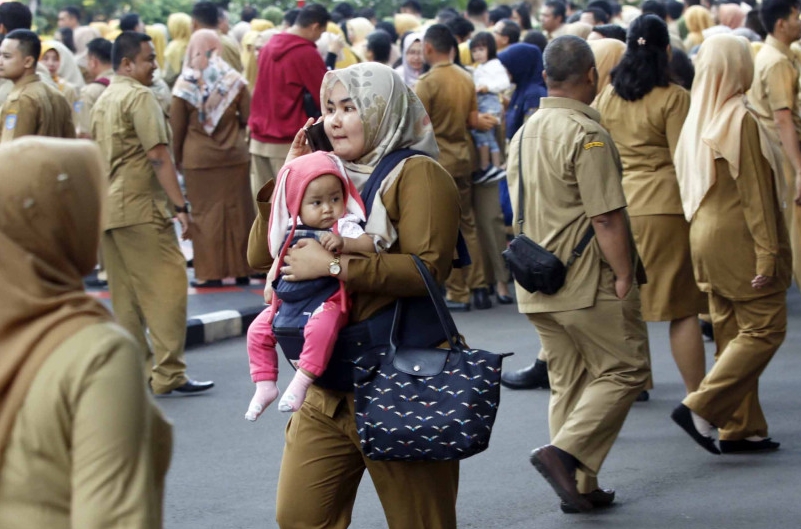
[[287, 65]]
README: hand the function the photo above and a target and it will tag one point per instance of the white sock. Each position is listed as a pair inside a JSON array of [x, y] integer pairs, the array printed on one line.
[[755, 438], [702, 425]]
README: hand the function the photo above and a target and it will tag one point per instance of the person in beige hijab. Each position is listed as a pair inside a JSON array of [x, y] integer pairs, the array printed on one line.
[[82, 443], [608, 53], [730, 183], [579, 29], [697, 20], [180, 28]]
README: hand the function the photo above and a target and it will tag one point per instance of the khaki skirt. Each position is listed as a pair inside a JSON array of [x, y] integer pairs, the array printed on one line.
[[671, 293]]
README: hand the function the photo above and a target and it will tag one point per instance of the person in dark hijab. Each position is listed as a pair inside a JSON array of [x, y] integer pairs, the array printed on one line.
[[524, 64]]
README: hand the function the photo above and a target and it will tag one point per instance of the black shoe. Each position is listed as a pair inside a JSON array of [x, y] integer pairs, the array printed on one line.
[[243, 281], [190, 263], [192, 387], [599, 498], [643, 396], [550, 461], [455, 306], [211, 283], [481, 299], [505, 300], [682, 416], [93, 282], [744, 446], [531, 377], [707, 330], [258, 276]]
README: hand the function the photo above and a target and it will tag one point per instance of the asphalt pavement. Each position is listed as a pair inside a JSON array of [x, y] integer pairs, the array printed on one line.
[[225, 469]]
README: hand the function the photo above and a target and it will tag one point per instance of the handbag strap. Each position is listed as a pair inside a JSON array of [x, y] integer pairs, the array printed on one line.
[[443, 314], [588, 235]]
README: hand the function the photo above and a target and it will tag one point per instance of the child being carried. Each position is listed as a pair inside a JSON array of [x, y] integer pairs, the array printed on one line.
[[314, 198]]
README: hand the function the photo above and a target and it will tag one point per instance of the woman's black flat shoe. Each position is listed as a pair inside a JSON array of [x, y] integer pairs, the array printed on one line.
[[211, 283], [242, 281], [505, 300], [744, 446]]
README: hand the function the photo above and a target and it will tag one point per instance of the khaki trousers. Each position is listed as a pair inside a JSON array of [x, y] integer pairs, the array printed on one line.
[[491, 231], [323, 464], [747, 334], [265, 165], [147, 281], [463, 280], [597, 365]]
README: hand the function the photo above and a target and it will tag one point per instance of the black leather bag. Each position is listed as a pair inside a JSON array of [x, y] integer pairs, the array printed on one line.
[[425, 403], [533, 267]]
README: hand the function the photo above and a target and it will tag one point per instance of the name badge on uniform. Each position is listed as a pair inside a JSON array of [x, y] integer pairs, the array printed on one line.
[[11, 121], [77, 106]]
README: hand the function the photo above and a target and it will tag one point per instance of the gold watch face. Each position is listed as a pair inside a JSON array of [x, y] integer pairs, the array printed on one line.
[[334, 269]]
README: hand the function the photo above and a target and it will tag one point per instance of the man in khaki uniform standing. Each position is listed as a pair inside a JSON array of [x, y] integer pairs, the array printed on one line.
[[98, 64], [774, 97], [32, 107], [146, 269], [206, 15], [449, 96], [592, 328]]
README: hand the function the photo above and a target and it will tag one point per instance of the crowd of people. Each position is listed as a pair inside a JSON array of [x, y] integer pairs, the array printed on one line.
[[653, 149]]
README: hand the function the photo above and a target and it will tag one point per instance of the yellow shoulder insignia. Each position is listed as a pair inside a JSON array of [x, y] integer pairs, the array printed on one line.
[[588, 146]]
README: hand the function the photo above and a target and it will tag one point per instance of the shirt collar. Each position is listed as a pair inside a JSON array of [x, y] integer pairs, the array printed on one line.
[[570, 104], [124, 79], [781, 46], [28, 79]]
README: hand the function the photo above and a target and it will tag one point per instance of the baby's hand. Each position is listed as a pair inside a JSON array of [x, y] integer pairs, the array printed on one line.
[[266, 393], [482, 89], [332, 243], [268, 292]]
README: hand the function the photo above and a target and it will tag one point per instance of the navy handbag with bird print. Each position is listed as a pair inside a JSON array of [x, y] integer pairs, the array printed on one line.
[[420, 404]]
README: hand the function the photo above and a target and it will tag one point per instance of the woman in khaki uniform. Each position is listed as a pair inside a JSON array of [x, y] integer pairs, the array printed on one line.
[[644, 113], [730, 180], [82, 443], [369, 113], [208, 115]]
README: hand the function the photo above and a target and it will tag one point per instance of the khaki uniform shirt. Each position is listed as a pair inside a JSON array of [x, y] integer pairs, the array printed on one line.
[[86, 102], [449, 96], [127, 122], [646, 132], [775, 85], [35, 108], [571, 173], [231, 53], [89, 448], [738, 230]]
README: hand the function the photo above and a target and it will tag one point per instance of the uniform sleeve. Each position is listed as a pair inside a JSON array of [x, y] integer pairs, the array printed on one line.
[[27, 119], [114, 480], [427, 227], [758, 199], [148, 121], [780, 81], [64, 117], [421, 88], [598, 174], [179, 122], [243, 106], [675, 113]]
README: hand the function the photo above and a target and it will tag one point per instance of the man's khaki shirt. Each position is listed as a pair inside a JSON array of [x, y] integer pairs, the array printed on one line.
[[775, 85], [127, 122], [86, 102], [35, 109], [449, 96], [571, 173]]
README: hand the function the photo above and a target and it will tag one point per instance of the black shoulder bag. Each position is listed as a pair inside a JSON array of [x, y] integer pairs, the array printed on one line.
[[426, 403], [533, 267]]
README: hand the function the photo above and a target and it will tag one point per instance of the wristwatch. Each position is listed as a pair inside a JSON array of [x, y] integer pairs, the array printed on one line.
[[334, 268], [186, 208]]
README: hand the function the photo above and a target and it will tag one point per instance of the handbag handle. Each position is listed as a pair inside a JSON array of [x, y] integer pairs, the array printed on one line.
[[443, 314], [588, 235]]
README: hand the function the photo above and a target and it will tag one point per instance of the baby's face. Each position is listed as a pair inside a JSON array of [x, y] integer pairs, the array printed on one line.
[[323, 203]]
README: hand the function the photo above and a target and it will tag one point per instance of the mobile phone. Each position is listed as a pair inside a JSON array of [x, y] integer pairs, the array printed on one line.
[[317, 139]]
